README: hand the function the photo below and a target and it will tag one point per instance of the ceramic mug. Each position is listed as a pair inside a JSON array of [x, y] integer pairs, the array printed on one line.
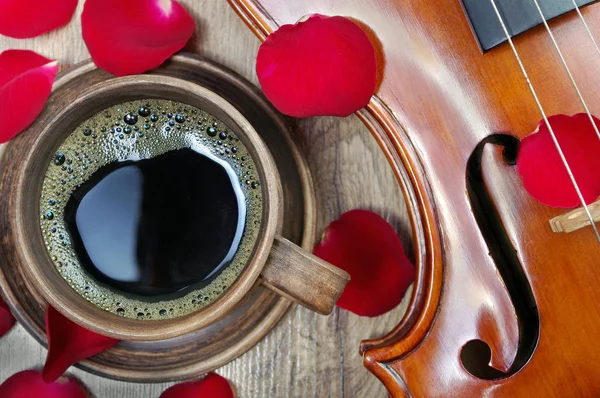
[[276, 262]]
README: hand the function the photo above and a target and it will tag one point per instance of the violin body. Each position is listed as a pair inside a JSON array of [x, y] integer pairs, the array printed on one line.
[[502, 306]]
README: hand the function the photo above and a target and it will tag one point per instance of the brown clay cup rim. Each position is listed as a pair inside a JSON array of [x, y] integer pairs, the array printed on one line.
[[42, 271]]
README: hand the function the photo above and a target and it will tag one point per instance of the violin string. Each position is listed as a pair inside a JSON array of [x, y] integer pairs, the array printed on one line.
[[564, 62], [587, 28], [541, 109]]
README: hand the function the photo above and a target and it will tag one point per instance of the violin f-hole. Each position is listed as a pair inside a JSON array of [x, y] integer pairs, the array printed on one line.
[[476, 354]]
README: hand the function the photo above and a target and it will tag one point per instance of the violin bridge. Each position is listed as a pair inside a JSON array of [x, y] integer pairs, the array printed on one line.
[[575, 219]]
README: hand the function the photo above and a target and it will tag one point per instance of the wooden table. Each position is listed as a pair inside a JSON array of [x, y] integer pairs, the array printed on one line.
[[306, 355]]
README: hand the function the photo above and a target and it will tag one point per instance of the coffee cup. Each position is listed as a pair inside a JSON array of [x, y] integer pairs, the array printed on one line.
[[272, 260]]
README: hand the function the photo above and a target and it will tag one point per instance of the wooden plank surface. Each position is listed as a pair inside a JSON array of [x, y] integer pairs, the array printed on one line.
[[306, 355]]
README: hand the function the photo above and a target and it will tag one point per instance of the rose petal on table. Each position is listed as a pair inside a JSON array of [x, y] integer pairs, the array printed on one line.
[[211, 386], [7, 321], [366, 246], [69, 343], [324, 66], [544, 174], [29, 18], [134, 36], [26, 80], [29, 384]]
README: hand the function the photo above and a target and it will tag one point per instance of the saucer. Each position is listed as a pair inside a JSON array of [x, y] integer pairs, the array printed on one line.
[[217, 344]]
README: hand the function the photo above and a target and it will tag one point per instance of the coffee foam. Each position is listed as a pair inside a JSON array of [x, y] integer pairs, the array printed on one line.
[[107, 138]]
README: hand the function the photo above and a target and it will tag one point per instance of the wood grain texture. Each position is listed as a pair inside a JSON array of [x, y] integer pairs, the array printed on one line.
[[303, 277], [306, 355]]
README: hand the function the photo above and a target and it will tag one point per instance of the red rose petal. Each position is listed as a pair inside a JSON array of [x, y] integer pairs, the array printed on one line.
[[367, 247], [7, 321], [544, 174], [26, 80], [325, 66], [212, 386], [134, 36], [29, 383], [29, 18], [69, 343]]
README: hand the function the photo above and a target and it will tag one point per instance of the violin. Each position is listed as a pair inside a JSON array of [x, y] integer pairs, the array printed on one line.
[[506, 294]]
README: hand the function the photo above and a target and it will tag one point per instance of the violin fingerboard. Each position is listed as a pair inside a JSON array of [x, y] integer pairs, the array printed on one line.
[[519, 16]]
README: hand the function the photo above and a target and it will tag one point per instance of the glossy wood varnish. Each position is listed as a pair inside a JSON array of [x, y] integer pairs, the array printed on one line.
[[439, 98]]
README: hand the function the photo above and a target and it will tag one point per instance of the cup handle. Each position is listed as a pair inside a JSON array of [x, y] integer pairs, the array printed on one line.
[[298, 275]]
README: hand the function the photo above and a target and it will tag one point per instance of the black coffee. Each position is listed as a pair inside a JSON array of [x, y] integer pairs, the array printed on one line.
[[157, 226], [151, 209]]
